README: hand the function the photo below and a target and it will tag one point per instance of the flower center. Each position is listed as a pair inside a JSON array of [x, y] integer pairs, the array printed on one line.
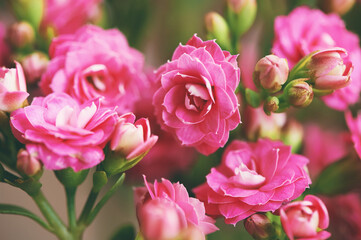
[[196, 97], [97, 76]]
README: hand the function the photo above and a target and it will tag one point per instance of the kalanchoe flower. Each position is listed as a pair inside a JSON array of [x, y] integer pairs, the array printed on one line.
[[307, 30], [270, 73], [354, 126], [64, 133], [196, 100], [94, 63], [13, 93], [67, 16], [132, 139], [303, 219], [28, 161], [170, 206], [253, 177], [327, 69]]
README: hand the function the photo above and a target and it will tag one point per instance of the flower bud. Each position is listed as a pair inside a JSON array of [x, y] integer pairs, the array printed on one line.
[[131, 139], [336, 6], [28, 10], [271, 104], [299, 93], [328, 70], [28, 163], [13, 91], [270, 73], [259, 226], [21, 34], [34, 66], [241, 15], [305, 219], [159, 219], [218, 28]]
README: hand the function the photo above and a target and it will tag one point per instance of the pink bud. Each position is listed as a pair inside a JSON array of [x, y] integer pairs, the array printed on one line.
[[299, 93], [21, 34], [34, 66], [329, 69], [271, 72], [259, 226], [28, 163], [336, 6], [13, 91], [132, 139], [305, 219], [160, 219], [237, 5]]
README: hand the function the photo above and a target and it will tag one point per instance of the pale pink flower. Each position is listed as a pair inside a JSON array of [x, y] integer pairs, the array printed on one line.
[[323, 147], [96, 63], [65, 133], [196, 100], [34, 64], [306, 30], [183, 211], [132, 139], [13, 93], [345, 216], [354, 125], [67, 16], [305, 220], [253, 177]]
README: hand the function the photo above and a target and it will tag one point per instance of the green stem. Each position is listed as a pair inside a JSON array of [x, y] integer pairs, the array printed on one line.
[[105, 198], [88, 206], [51, 216], [70, 200]]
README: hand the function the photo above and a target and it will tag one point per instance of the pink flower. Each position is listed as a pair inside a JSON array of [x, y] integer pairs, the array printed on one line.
[[13, 93], [345, 216], [64, 133], [196, 100], [306, 30], [182, 211], [303, 219], [67, 16], [95, 63], [323, 148], [4, 48], [354, 126], [35, 65], [132, 139], [253, 177]]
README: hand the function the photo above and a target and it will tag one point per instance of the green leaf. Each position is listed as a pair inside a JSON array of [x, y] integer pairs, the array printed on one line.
[[16, 210], [253, 98], [126, 232]]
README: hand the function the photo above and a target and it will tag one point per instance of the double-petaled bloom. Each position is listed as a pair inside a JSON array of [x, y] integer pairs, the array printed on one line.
[[196, 100]]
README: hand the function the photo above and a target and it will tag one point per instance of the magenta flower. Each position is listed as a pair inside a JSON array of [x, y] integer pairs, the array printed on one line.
[[253, 177], [189, 211], [67, 16], [96, 63], [132, 139], [306, 30], [13, 93], [322, 148], [305, 220], [196, 100], [354, 126], [64, 133]]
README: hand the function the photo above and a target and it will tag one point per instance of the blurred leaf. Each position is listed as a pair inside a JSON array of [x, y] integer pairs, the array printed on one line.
[[126, 232]]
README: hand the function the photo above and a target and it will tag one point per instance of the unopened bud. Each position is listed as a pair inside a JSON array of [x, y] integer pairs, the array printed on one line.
[[329, 69], [21, 34], [270, 73], [34, 66], [299, 93], [241, 15], [271, 105], [28, 163], [336, 6], [218, 28], [259, 226]]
